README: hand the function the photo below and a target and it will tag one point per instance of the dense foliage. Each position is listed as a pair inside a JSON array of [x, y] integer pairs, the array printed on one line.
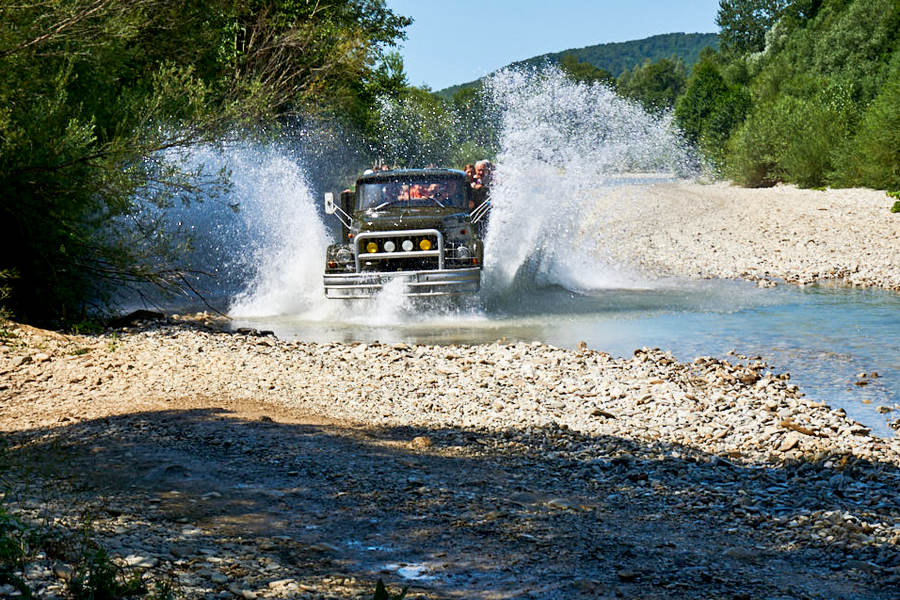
[[93, 93], [419, 128], [743, 23], [803, 92], [584, 72], [710, 107], [655, 85]]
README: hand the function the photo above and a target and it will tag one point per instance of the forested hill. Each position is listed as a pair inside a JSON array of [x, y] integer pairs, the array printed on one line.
[[621, 56]]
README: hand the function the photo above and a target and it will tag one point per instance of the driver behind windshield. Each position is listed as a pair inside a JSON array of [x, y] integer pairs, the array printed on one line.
[[420, 193], [417, 192]]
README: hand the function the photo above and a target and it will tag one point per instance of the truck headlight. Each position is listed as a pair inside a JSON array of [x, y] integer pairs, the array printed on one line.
[[344, 256], [463, 252]]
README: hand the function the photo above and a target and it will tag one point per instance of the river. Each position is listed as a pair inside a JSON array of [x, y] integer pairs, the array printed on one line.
[[545, 276]]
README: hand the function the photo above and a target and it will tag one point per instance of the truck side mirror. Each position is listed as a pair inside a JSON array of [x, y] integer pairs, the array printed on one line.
[[330, 208]]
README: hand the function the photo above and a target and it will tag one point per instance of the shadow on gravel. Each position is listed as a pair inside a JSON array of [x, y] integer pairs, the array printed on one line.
[[544, 513]]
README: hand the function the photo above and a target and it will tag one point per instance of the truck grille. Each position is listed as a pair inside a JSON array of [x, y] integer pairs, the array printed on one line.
[[399, 264], [388, 258]]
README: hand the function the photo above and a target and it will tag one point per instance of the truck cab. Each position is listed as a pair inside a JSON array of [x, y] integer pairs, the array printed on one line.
[[414, 225]]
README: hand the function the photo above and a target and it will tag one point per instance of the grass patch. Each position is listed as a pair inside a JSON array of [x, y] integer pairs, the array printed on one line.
[[13, 552], [86, 328]]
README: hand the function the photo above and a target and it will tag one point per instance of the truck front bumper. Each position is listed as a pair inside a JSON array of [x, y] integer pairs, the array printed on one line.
[[443, 282]]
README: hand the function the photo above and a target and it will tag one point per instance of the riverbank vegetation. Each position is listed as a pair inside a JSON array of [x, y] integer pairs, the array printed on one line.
[[802, 92], [95, 94]]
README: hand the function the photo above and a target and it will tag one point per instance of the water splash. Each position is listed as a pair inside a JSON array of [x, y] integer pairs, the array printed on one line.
[[562, 143], [288, 238], [264, 241]]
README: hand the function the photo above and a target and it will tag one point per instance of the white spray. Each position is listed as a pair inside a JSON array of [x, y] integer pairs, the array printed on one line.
[[289, 238], [561, 143]]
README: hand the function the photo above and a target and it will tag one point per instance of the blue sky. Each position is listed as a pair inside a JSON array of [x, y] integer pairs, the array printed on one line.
[[455, 41]]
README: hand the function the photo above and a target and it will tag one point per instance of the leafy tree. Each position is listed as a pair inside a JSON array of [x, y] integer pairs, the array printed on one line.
[[95, 93], [584, 72], [417, 129], [873, 156], [743, 23], [813, 90], [711, 108], [801, 11], [477, 125], [655, 85]]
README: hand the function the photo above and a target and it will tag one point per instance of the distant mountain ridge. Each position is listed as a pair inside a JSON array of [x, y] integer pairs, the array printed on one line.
[[617, 57]]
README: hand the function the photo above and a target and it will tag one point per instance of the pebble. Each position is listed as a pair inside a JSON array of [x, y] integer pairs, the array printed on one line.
[[142, 562], [420, 442]]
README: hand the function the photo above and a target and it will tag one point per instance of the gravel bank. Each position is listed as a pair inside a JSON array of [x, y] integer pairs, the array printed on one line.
[[243, 466], [721, 231]]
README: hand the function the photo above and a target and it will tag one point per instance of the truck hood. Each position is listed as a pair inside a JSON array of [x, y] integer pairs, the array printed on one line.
[[406, 219]]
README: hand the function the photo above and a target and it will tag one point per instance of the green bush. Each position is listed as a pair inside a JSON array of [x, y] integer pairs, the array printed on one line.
[[4, 312], [98, 578], [752, 154], [381, 592], [824, 91], [818, 124], [711, 108], [793, 139], [873, 157], [896, 206], [656, 85]]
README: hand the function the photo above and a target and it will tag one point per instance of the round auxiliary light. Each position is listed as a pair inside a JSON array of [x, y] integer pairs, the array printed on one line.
[[407, 245], [389, 246], [371, 247], [425, 244]]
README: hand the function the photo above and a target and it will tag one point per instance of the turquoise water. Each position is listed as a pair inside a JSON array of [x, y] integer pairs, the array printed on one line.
[[823, 336]]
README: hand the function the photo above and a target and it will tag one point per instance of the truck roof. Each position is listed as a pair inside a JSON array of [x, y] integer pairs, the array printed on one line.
[[403, 174]]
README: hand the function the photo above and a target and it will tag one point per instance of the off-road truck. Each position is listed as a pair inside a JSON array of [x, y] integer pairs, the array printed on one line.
[[414, 225]]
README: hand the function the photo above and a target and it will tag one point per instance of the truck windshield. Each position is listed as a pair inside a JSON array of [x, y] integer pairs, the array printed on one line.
[[407, 193]]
